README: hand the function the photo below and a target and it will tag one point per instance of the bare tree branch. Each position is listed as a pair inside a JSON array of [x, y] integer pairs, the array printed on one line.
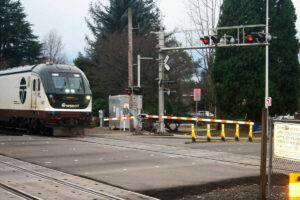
[[53, 48]]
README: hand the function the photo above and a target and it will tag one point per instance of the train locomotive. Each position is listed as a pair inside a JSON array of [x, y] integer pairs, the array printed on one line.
[[46, 99]]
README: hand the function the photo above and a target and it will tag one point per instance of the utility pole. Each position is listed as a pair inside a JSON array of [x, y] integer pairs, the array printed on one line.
[[265, 114], [130, 63], [161, 87]]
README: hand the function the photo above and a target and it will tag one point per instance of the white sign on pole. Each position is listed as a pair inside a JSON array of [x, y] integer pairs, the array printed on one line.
[[268, 101], [167, 67], [166, 59], [287, 141], [197, 94]]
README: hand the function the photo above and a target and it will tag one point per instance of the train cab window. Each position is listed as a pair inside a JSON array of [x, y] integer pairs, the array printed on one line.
[[60, 82], [33, 85], [75, 83], [39, 85]]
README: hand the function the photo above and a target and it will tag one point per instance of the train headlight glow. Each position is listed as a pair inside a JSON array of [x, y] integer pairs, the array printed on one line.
[[67, 90], [88, 97]]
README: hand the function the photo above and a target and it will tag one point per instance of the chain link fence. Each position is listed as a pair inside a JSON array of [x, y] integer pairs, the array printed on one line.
[[284, 157]]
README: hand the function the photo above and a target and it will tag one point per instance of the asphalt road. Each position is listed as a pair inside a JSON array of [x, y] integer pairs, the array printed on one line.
[[137, 163]]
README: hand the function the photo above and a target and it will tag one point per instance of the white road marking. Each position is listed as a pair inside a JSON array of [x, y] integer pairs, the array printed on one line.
[[75, 160], [124, 169], [156, 166], [2, 143], [48, 162]]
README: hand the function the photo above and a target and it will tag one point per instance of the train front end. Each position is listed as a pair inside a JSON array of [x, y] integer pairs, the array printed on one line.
[[68, 99]]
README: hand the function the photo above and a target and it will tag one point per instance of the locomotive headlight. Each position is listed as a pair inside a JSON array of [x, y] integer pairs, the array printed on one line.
[[51, 96], [88, 97]]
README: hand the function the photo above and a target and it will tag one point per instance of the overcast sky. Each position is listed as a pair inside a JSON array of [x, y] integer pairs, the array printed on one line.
[[68, 18]]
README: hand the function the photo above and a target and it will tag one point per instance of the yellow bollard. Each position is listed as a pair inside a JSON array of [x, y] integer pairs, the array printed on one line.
[[294, 187], [208, 133], [223, 133], [237, 133], [193, 133], [250, 133]]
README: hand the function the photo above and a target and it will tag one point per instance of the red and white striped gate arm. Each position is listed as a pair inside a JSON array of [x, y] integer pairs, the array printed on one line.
[[200, 119], [118, 118]]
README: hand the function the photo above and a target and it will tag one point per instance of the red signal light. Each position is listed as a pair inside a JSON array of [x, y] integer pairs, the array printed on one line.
[[249, 38], [205, 40], [127, 91]]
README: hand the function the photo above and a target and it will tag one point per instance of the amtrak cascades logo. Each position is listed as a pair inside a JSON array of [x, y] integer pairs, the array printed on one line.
[[23, 91]]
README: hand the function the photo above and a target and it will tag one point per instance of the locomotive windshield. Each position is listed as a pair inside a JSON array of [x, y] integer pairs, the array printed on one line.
[[68, 83]]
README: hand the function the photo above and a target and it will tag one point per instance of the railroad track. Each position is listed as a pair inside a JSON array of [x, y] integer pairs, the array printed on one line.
[[234, 159], [101, 195]]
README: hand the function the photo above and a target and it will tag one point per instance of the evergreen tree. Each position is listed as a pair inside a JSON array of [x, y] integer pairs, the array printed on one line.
[[114, 19], [106, 63], [239, 73], [18, 46]]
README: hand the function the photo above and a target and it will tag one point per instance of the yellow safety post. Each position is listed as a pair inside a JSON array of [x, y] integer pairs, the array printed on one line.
[[208, 133], [237, 133], [250, 133], [223, 133], [193, 133], [294, 187]]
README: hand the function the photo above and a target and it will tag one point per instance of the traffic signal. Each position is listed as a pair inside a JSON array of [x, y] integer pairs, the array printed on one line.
[[127, 91], [137, 91], [215, 39], [205, 40]]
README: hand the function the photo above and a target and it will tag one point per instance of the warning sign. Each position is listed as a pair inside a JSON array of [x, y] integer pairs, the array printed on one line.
[[287, 141], [268, 101]]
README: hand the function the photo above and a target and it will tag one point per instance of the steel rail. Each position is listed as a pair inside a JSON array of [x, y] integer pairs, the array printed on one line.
[[74, 186], [18, 192]]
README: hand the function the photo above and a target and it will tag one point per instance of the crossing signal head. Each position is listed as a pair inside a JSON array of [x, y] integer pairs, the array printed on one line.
[[249, 37], [167, 82], [205, 40], [215, 39], [137, 91], [127, 91], [261, 37]]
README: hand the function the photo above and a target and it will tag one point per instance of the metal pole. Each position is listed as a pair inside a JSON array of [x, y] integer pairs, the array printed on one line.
[[139, 70], [270, 160], [130, 63], [161, 99], [197, 117], [263, 155], [265, 116]]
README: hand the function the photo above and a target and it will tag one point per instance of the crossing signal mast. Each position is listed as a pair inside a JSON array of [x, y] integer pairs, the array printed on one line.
[[216, 38]]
